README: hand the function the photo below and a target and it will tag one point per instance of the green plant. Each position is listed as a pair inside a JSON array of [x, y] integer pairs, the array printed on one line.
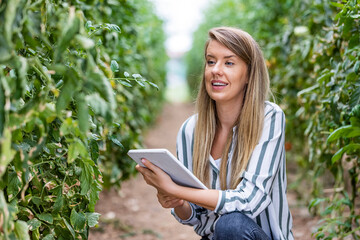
[[312, 52], [65, 107], [332, 108]]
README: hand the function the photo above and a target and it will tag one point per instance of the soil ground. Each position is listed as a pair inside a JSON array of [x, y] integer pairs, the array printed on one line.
[[133, 213]]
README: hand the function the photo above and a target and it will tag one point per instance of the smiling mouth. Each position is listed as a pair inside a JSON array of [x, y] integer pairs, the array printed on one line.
[[219, 84]]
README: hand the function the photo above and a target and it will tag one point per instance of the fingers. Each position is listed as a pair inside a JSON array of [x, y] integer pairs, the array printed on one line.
[[168, 201], [149, 165], [156, 177]]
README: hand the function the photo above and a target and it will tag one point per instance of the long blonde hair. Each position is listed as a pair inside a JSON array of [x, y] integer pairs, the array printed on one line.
[[250, 121]]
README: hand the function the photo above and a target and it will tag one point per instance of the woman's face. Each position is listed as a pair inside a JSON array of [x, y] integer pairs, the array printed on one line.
[[225, 75]]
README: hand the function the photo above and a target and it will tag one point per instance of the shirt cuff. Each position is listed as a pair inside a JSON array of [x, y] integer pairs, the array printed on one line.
[[192, 220], [221, 202]]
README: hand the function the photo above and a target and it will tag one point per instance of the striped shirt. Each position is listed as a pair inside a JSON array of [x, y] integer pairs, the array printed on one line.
[[261, 195]]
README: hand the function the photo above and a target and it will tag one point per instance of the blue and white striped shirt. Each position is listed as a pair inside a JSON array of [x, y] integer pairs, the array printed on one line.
[[261, 194]]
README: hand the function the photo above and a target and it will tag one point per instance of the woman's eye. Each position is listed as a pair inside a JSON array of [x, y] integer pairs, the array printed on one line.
[[229, 63], [210, 62]]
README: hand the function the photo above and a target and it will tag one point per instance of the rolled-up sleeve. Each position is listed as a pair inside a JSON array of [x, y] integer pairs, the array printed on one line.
[[184, 143], [252, 195], [192, 220]]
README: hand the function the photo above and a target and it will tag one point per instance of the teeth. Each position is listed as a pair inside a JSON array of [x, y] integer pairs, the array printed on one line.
[[219, 84]]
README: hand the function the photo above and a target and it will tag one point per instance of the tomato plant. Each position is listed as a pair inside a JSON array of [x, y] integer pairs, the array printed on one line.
[[69, 80], [312, 52]]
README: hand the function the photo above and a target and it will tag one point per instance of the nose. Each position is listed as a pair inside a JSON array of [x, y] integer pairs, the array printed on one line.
[[217, 69]]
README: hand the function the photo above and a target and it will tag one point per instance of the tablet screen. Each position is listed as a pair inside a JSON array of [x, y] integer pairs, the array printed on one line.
[[169, 164]]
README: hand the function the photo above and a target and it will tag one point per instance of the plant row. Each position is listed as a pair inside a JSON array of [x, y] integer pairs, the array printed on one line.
[[312, 52], [79, 82]]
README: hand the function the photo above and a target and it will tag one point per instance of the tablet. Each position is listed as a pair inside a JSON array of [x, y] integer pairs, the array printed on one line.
[[169, 164]]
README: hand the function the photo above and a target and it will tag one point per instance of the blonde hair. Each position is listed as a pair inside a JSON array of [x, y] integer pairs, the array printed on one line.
[[250, 120]]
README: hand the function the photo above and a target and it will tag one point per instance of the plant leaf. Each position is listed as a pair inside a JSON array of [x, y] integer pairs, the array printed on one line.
[[77, 220], [114, 66], [34, 224], [350, 148], [69, 228], [46, 217], [86, 177], [21, 230], [340, 132], [92, 218]]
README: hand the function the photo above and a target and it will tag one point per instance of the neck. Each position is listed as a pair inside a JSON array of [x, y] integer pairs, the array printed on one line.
[[227, 114]]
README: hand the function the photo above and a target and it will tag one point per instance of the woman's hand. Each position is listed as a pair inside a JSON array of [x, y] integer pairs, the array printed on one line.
[[171, 194], [165, 187], [157, 178], [167, 201]]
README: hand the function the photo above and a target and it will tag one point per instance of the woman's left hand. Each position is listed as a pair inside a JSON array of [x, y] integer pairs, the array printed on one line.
[[156, 177]]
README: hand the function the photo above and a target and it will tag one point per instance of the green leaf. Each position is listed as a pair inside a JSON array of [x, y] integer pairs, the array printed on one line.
[[36, 200], [76, 148], [89, 26], [70, 30], [14, 185], [116, 141], [49, 237], [307, 90], [59, 202], [344, 132], [10, 16], [325, 76], [77, 220], [86, 177], [67, 91], [92, 219], [355, 121], [350, 149], [140, 83], [114, 66], [34, 224], [337, 156], [21, 230], [103, 87], [95, 190], [355, 97], [73, 152], [85, 42], [357, 67], [83, 113], [7, 153], [112, 27], [336, 4], [69, 228], [354, 133], [98, 104], [153, 84], [316, 202], [46, 217], [125, 83], [2, 106]]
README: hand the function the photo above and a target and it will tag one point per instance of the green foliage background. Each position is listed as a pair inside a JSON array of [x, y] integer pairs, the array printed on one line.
[[71, 75], [312, 51]]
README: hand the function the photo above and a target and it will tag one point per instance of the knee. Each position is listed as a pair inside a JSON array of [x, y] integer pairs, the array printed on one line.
[[237, 226], [231, 221]]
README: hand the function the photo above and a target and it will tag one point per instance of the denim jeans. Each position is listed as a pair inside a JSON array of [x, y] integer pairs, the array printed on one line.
[[237, 226]]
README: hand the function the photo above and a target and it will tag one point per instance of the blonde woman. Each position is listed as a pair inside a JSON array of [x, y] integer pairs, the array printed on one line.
[[235, 145]]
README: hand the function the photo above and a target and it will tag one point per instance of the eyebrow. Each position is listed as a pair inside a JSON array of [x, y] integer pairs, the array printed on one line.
[[229, 56]]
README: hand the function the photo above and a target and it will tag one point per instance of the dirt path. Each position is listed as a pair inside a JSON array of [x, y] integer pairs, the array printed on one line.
[[133, 213]]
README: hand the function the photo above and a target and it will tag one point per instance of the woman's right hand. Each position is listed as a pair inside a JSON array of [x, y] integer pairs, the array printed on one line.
[[167, 201], [182, 208]]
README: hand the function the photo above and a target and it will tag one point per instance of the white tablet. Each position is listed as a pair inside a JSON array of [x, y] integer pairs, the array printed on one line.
[[169, 164]]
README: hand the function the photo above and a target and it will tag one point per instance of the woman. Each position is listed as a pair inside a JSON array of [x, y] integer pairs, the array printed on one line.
[[234, 145]]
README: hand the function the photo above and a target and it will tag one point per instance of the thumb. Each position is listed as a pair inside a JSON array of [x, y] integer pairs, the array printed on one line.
[[149, 165]]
